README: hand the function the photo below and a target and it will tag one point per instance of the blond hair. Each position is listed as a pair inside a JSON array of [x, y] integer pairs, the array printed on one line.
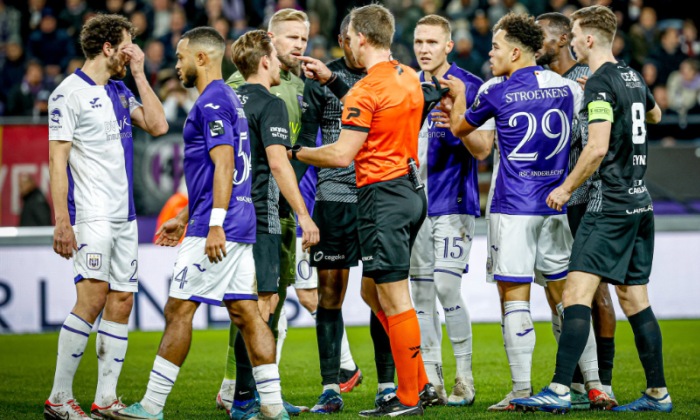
[[376, 23], [598, 18], [435, 20], [286, 15]]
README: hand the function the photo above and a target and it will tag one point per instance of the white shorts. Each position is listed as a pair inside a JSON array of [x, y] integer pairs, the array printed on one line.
[[197, 279], [108, 251], [307, 276], [523, 249], [443, 242]]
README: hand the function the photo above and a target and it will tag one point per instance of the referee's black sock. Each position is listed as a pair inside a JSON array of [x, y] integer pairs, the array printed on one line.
[[647, 337], [606, 355], [382, 350], [572, 342], [245, 383], [329, 333], [578, 376]]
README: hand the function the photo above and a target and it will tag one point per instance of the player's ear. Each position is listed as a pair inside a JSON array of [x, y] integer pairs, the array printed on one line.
[[448, 47], [515, 54], [340, 41], [107, 49], [563, 40]]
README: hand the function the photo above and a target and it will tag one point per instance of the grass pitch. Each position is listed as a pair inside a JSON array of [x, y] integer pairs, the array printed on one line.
[[27, 364]]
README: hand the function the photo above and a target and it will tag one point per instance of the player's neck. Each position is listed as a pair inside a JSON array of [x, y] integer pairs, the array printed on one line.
[[96, 70], [373, 57], [521, 64], [206, 76], [597, 58], [438, 72], [563, 63], [259, 79]]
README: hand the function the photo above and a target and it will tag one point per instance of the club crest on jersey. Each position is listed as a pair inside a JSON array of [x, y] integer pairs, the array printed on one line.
[[123, 100], [94, 261], [216, 128]]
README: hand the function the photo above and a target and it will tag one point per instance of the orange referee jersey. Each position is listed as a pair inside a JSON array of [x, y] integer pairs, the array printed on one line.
[[387, 104]]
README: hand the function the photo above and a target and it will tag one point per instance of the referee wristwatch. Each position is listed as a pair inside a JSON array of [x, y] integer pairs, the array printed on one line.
[[295, 149]]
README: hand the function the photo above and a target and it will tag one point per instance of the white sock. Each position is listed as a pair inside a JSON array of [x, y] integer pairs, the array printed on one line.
[[346, 361], [160, 383], [608, 390], [313, 314], [112, 341], [385, 385], [520, 343], [578, 388], [589, 360], [71, 345], [424, 296], [227, 384], [334, 387], [559, 388], [267, 380], [281, 334], [457, 320]]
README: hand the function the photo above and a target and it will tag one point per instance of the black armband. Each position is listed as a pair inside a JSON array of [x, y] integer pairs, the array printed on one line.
[[337, 86]]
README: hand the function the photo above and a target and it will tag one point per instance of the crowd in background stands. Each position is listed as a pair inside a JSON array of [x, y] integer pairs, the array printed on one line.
[[39, 40]]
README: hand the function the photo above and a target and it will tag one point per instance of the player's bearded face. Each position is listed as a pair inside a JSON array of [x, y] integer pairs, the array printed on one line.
[[546, 54], [290, 40], [116, 64], [189, 76]]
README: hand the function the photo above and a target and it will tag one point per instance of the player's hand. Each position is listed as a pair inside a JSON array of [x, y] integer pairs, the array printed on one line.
[[64, 239], [455, 85], [582, 81], [170, 232], [315, 69], [558, 198], [310, 235], [216, 244], [136, 59], [440, 117]]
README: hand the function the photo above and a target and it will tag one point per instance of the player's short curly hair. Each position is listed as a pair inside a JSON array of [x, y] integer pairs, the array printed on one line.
[[104, 28], [522, 30]]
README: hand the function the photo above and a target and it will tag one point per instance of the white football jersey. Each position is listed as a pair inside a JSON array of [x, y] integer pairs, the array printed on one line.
[[97, 119]]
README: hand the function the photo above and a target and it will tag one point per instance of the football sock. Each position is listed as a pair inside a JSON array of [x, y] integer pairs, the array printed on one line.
[[404, 333], [424, 296], [647, 337], [245, 383], [230, 370], [226, 384], [160, 383], [282, 333], [329, 335], [275, 315], [346, 360], [385, 385], [574, 335], [71, 345], [267, 380], [589, 360], [578, 378], [556, 327], [383, 358], [112, 341], [457, 320], [606, 355], [520, 342]]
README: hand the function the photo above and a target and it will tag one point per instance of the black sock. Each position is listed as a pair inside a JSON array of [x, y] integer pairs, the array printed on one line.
[[270, 320], [329, 335], [578, 376], [647, 337], [245, 383], [572, 342], [382, 350], [606, 354]]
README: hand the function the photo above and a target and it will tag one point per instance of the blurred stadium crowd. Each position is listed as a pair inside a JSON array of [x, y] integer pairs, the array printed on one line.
[[39, 40]]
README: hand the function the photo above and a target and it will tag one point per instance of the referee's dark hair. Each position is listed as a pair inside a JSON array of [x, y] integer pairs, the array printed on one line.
[[249, 49], [205, 36], [522, 30], [557, 21], [344, 25]]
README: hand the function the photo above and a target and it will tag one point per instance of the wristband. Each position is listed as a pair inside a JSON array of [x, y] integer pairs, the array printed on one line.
[[217, 217], [337, 86], [296, 149]]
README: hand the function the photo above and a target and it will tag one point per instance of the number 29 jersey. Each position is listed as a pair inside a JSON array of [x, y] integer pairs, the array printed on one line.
[[618, 94], [533, 111], [216, 119]]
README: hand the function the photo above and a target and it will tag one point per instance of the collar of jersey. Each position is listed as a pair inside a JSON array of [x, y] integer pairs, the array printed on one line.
[[85, 77], [444, 76], [284, 74], [525, 71], [391, 63]]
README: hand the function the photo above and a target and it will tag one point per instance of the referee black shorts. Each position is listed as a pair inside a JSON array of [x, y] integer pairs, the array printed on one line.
[[390, 213], [339, 246], [574, 215], [619, 248]]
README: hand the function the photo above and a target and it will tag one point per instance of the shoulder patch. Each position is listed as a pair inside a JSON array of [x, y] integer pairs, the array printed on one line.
[[216, 128]]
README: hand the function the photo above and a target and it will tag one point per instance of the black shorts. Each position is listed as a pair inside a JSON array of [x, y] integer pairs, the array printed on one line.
[[574, 214], [619, 248], [267, 252], [339, 246], [390, 213]]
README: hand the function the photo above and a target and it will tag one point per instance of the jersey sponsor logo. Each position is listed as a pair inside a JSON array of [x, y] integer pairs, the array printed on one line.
[[538, 94], [216, 128], [333, 257], [117, 130], [57, 97], [318, 256], [639, 160], [240, 112], [535, 174], [650, 207], [631, 79], [368, 258], [243, 99], [56, 116], [94, 261], [637, 190], [95, 104], [212, 106], [244, 199], [279, 132]]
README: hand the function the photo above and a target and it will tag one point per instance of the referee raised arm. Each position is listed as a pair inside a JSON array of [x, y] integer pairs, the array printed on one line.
[[380, 124]]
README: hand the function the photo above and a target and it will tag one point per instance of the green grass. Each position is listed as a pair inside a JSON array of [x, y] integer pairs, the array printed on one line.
[[27, 365]]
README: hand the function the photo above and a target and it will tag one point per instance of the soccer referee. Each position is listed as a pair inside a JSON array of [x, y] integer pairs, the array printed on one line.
[[380, 124]]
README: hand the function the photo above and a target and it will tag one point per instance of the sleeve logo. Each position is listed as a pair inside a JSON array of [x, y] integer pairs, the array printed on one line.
[[476, 103], [354, 113], [216, 128], [56, 116], [212, 106]]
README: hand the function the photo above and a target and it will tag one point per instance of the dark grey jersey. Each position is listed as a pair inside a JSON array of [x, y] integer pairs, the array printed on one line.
[[325, 110], [579, 138], [618, 94]]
